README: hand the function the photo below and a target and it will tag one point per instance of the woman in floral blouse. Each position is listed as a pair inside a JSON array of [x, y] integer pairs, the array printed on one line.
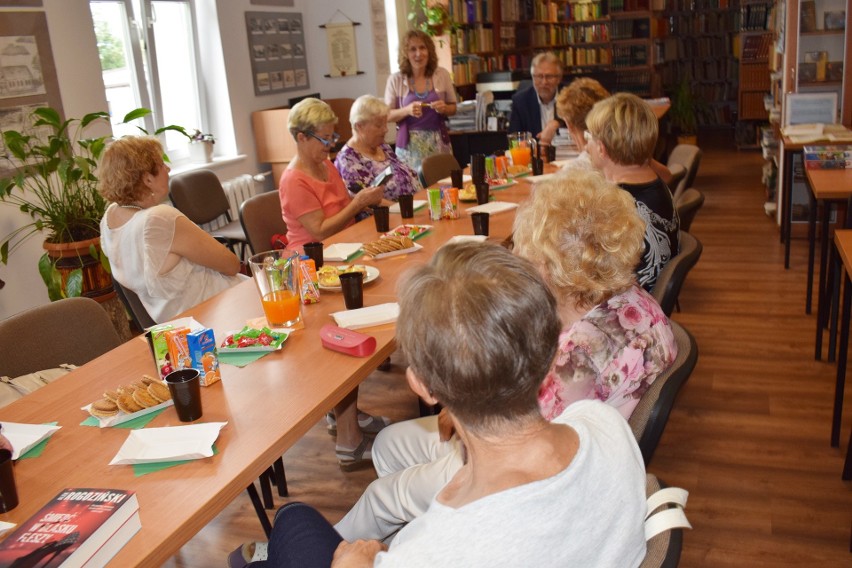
[[584, 235], [365, 155]]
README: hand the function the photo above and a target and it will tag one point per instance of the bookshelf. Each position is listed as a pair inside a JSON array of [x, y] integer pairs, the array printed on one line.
[[754, 85]]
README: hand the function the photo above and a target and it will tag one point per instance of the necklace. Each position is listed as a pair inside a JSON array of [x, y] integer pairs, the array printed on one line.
[[424, 94], [132, 207]]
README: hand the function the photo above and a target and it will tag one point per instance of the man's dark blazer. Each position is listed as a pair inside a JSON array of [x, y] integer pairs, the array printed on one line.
[[526, 112]]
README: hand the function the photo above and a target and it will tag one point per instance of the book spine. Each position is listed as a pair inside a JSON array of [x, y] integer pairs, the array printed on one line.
[[828, 164]]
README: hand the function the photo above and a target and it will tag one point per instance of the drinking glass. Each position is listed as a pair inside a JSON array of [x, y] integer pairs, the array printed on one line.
[[276, 274], [521, 147]]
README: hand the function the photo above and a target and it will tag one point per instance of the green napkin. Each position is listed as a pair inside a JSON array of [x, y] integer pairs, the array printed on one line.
[[140, 469], [37, 450], [240, 358], [355, 255], [134, 424]]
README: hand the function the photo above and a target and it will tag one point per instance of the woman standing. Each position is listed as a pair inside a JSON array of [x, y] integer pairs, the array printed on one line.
[[421, 95]]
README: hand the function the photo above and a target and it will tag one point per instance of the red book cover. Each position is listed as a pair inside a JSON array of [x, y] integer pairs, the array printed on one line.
[[71, 529]]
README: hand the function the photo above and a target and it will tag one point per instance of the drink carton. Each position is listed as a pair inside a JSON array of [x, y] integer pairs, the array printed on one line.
[[178, 349], [160, 348], [202, 352]]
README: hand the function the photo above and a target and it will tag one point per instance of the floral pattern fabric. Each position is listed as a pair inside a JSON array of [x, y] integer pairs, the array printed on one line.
[[358, 172], [612, 354], [421, 145]]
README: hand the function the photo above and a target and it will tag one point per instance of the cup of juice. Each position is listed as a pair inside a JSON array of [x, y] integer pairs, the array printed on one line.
[[276, 274]]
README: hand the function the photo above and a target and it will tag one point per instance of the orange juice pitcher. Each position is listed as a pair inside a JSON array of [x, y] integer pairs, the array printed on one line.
[[276, 274], [521, 148]]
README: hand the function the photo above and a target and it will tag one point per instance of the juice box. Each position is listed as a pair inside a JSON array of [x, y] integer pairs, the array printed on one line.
[[178, 349], [202, 353], [308, 281], [160, 349]]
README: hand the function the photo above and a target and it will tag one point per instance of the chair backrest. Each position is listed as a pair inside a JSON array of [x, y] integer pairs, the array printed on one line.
[[73, 331], [199, 195], [261, 218], [689, 156], [678, 173], [437, 166], [134, 305], [341, 108], [651, 414], [663, 550], [673, 275], [687, 206]]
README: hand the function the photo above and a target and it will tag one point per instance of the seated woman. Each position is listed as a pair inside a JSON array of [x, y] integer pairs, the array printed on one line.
[[573, 103], [154, 250], [620, 141], [365, 155], [479, 328], [615, 341], [314, 200]]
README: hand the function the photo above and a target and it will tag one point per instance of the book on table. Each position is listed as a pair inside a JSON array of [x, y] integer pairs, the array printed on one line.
[[79, 527]]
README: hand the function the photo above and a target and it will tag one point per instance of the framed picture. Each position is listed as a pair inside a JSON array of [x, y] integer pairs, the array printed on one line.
[[278, 54], [808, 16], [807, 72], [834, 71], [835, 20], [810, 108]]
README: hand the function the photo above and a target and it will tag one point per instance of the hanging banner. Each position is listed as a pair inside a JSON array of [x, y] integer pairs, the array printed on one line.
[[342, 53]]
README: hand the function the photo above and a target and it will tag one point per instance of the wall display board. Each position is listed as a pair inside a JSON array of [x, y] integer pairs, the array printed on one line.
[[277, 51]]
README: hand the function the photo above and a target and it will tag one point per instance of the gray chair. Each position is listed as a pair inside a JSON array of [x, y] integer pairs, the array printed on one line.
[[138, 313], [651, 414], [689, 156], [678, 173], [673, 275], [687, 205], [663, 550], [437, 166], [199, 195], [260, 216], [70, 331]]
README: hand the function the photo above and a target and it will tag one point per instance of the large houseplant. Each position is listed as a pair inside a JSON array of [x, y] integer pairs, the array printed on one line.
[[683, 113], [52, 177], [430, 16]]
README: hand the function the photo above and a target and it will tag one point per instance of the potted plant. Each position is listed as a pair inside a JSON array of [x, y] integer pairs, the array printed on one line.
[[683, 114], [201, 147], [434, 18], [51, 176]]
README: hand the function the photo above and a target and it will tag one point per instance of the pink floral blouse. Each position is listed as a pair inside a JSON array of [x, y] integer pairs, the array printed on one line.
[[612, 354]]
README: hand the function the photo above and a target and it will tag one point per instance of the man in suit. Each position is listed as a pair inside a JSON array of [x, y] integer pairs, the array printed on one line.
[[534, 108]]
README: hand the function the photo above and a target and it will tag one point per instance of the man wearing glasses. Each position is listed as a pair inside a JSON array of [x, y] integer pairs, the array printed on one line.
[[534, 108]]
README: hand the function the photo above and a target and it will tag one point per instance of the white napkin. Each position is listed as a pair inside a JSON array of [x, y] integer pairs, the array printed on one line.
[[24, 437], [493, 207], [190, 322], [6, 527], [367, 317], [340, 252], [466, 239], [418, 204], [168, 444], [540, 178], [465, 178]]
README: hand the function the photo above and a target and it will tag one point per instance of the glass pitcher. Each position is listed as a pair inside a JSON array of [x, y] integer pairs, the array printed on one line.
[[522, 147]]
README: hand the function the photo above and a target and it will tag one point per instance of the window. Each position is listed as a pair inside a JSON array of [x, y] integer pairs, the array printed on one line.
[[148, 57]]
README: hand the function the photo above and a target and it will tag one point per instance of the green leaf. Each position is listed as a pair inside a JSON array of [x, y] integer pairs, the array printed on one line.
[[134, 114], [52, 278], [93, 116], [4, 252], [74, 284], [48, 116], [174, 128]]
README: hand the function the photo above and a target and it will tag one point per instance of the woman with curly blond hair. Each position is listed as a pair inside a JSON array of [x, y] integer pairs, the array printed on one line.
[[584, 236], [154, 249]]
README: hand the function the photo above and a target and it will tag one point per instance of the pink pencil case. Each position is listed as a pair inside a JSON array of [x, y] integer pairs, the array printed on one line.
[[347, 341]]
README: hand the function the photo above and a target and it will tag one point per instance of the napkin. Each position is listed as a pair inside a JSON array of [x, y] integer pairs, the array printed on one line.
[[168, 444], [418, 204], [6, 527], [240, 359], [466, 239], [24, 437], [540, 178], [465, 178], [367, 317], [493, 208], [341, 252]]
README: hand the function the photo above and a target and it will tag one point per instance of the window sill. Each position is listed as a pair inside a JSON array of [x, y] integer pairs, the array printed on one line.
[[183, 166]]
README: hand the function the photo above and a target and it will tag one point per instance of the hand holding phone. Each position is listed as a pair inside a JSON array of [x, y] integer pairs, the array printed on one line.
[[383, 177]]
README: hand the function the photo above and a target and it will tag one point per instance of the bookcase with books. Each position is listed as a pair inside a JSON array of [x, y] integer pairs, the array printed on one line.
[[755, 84]]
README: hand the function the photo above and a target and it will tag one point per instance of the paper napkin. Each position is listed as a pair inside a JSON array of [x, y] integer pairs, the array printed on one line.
[[465, 178], [341, 252], [367, 317], [24, 437], [493, 208], [466, 239], [418, 204], [168, 444]]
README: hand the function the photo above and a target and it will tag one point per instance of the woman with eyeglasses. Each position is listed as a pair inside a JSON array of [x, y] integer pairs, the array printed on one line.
[[421, 96], [314, 200]]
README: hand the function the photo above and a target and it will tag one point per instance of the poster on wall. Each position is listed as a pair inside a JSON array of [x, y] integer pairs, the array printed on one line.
[[277, 49]]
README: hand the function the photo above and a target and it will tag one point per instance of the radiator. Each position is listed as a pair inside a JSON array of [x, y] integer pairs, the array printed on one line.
[[237, 190]]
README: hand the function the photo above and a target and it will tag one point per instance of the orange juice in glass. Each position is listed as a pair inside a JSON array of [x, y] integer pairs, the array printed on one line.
[[520, 148], [276, 274]]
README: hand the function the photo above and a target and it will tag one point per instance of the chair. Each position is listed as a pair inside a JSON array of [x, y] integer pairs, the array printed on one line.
[[651, 414], [437, 166], [689, 156], [678, 173], [687, 205], [673, 275], [663, 550], [260, 216], [341, 108], [138, 313], [70, 331], [199, 195]]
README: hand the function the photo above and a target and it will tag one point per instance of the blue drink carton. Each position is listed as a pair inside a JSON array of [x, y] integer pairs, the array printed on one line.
[[202, 352]]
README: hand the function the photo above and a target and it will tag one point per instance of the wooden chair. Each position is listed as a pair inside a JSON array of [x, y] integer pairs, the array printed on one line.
[[70, 331], [437, 166], [687, 205], [341, 108], [651, 414], [673, 275], [663, 550], [199, 195], [689, 156], [260, 216]]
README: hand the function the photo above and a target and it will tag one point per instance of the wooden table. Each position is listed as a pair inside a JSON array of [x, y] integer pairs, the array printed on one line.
[[269, 405], [843, 242]]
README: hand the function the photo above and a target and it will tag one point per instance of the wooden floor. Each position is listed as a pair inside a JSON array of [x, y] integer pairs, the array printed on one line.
[[748, 437]]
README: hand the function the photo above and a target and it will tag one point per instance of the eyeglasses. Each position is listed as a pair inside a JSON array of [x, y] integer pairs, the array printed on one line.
[[546, 77], [335, 137]]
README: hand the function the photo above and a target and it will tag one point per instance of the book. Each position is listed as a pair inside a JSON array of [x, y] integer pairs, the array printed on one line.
[[808, 23], [828, 164], [79, 527]]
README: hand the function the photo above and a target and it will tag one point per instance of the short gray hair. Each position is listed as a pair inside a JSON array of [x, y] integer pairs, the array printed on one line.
[[366, 108], [546, 57]]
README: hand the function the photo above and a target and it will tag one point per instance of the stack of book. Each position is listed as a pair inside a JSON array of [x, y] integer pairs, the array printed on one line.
[[79, 527], [828, 157]]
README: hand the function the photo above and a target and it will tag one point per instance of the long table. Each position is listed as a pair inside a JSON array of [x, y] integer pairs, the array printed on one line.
[[269, 405]]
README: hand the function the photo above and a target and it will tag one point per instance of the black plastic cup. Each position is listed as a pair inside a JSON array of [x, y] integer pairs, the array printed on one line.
[[352, 286], [480, 223], [314, 251], [8, 489], [550, 153], [185, 386], [537, 166], [482, 193], [406, 206], [381, 216], [477, 168], [457, 178]]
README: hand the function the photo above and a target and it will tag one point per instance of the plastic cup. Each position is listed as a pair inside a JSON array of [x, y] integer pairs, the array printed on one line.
[[8, 489], [537, 166], [314, 250], [457, 177], [482, 193], [477, 168], [480, 223], [185, 386], [352, 286], [406, 206], [276, 274], [381, 216]]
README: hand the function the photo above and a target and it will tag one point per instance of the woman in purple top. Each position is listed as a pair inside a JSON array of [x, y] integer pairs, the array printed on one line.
[[365, 155], [421, 96]]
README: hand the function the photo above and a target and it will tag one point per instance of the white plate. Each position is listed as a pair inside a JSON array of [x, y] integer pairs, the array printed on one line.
[[493, 208], [253, 348], [153, 445], [26, 436], [415, 248], [340, 252], [123, 417], [372, 274]]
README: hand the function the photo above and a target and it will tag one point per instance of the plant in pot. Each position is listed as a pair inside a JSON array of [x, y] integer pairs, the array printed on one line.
[[430, 16], [201, 147], [683, 114], [51, 176]]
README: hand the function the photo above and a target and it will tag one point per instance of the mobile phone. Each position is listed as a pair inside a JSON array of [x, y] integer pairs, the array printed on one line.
[[383, 177]]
